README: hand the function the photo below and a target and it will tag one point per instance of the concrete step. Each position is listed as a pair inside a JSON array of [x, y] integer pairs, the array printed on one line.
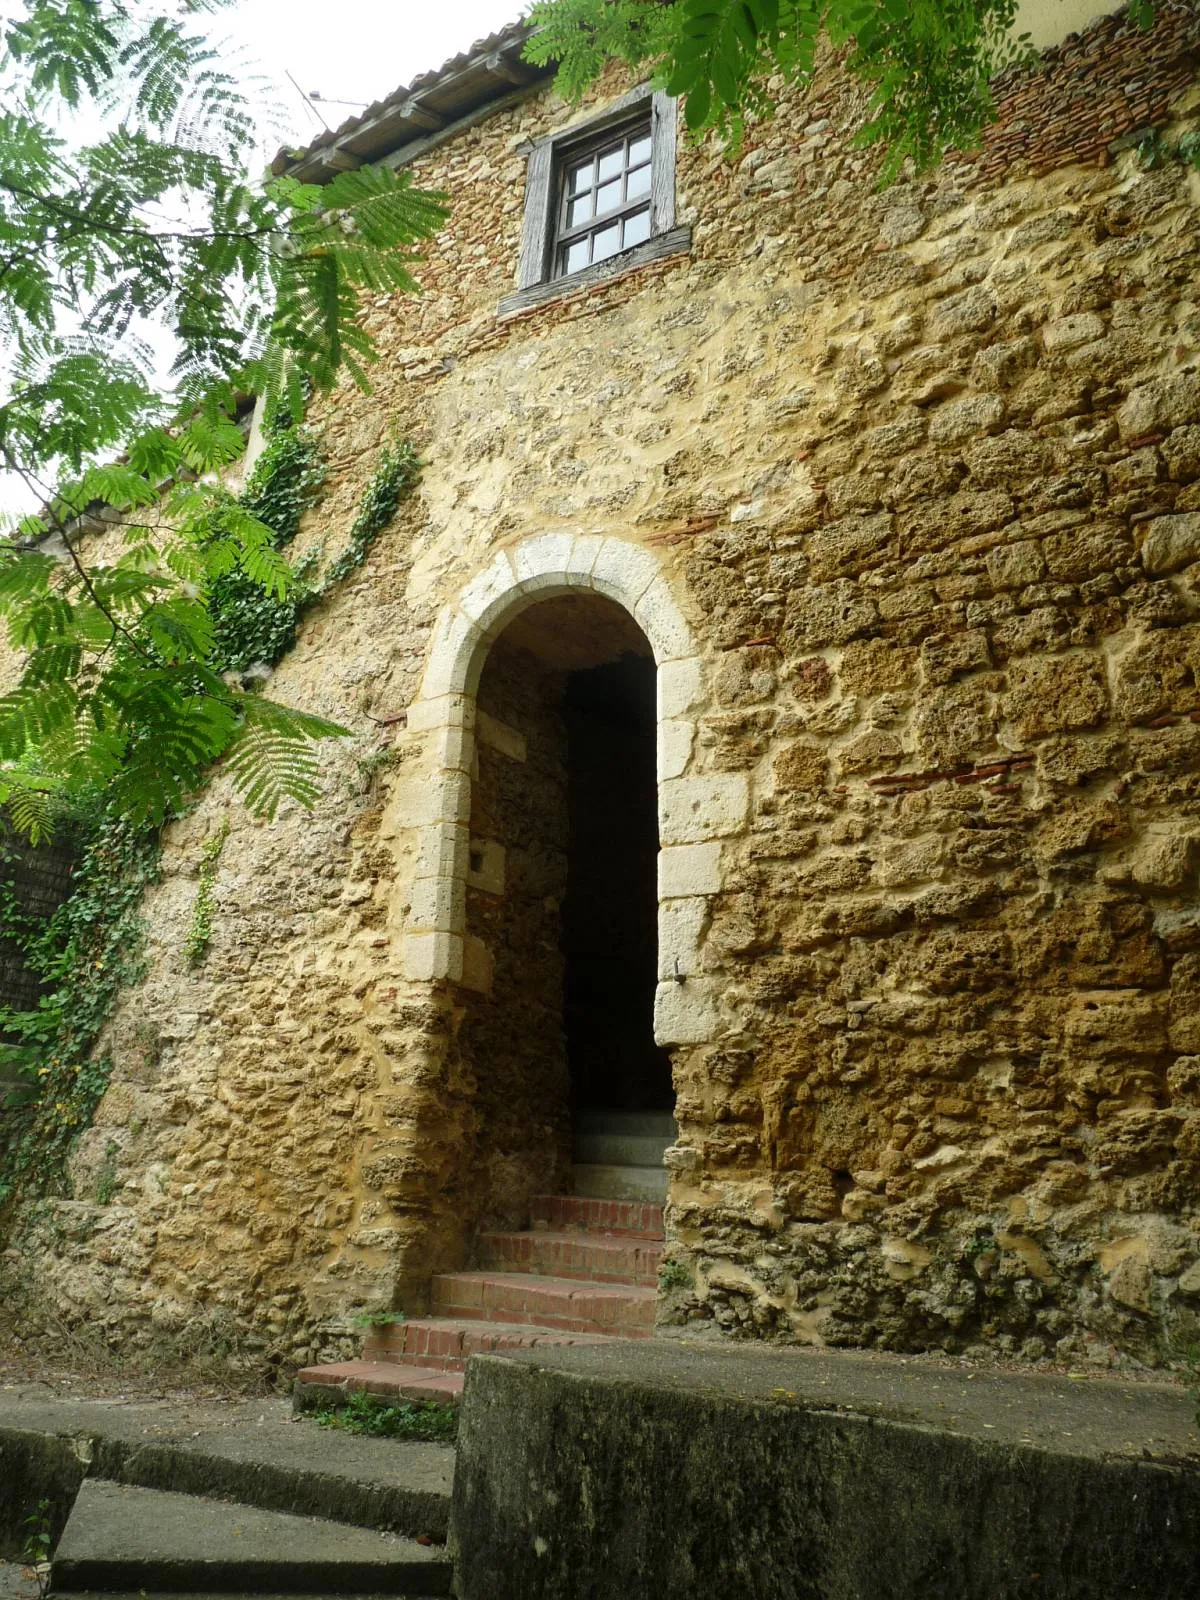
[[250, 1451], [633, 1218], [605, 1181], [627, 1124], [626, 1310], [619, 1149], [388, 1380], [121, 1538], [572, 1255]]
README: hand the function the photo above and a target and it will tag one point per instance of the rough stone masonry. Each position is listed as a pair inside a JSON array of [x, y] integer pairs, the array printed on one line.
[[920, 471]]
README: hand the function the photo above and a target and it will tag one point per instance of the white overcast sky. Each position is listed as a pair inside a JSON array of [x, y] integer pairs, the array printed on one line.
[[353, 50]]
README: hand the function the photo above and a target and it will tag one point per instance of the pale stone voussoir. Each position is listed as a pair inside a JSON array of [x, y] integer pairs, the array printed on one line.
[[455, 645]]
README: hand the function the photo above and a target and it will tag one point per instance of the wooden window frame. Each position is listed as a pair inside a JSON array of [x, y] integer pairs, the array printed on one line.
[[543, 192]]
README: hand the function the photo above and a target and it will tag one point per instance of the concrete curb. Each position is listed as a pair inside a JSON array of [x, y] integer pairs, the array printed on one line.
[[384, 1485]]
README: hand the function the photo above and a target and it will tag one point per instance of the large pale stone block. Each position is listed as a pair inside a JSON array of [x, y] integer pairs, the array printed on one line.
[[685, 1013], [693, 809], [478, 966], [429, 956], [675, 740], [680, 686], [689, 869], [680, 931], [452, 748], [424, 799], [438, 903], [445, 711], [441, 851]]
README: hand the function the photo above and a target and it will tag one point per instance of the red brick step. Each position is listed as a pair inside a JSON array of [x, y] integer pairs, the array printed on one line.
[[604, 1259], [386, 1380], [446, 1343], [625, 1310], [563, 1211]]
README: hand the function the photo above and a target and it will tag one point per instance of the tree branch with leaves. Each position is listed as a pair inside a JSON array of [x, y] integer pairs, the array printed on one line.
[[156, 223]]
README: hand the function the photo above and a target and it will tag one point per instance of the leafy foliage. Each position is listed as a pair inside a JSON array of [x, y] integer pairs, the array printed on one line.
[[257, 284], [84, 955], [199, 935], [928, 63], [402, 1419]]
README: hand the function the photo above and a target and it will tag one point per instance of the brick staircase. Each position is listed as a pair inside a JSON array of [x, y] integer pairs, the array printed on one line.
[[583, 1273]]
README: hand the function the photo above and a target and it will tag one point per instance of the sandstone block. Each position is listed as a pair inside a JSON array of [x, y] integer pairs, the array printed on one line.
[[958, 420], [1166, 402], [875, 666], [970, 312], [802, 766], [954, 723], [1057, 694], [1172, 542], [943, 657], [1065, 333], [1007, 458], [828, 613], [1012, 566], [1165, 864]]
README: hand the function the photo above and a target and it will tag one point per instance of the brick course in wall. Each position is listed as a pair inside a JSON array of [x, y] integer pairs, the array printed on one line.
[[921, 469]]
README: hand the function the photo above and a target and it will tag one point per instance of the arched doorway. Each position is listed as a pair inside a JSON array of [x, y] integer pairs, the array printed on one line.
[[557, 704], [572, 1091]]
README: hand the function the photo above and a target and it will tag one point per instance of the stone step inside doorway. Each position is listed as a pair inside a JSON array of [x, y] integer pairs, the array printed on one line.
[[618, 1155], [584, 1272]]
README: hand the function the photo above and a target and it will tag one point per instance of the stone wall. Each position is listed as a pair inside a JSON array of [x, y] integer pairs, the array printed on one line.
[[922, 468]]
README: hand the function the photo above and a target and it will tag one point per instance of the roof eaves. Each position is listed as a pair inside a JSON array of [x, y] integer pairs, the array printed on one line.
[[490, 70]]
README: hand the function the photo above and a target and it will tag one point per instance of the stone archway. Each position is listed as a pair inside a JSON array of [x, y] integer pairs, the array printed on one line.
[[696, 813]]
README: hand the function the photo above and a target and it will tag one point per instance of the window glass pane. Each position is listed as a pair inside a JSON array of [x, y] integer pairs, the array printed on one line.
[[637, 227], [637, 183], [611, 162], [606, 241], [608, 196], [579, 210], [575, 256], [639, 150], [579, 177]]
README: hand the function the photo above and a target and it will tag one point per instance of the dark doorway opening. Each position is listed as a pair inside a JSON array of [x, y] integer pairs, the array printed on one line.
[[610, 914]]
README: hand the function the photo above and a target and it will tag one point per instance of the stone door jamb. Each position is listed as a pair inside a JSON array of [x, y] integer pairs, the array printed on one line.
[[695, 813]]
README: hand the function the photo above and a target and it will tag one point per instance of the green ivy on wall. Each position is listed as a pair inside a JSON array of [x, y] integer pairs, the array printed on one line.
[[93, 945], [85, 954]]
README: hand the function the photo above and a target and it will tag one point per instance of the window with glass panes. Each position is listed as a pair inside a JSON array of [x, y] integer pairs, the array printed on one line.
[[605, 204]]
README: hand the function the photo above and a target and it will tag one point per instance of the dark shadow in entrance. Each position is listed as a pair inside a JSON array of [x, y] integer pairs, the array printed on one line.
[[610, 916]]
